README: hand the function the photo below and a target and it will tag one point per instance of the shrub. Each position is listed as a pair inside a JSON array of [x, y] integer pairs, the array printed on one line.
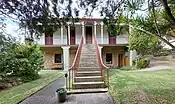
[[22, 60], [30, 61], [143, 63], [133, 62], [161, 53]]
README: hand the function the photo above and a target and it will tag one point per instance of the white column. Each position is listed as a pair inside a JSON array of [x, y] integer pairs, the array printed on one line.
[[100, 49], [62, 34], [69, 34], [132, 56], [65, 57], [83, 34], [101, 32], [95, 28]]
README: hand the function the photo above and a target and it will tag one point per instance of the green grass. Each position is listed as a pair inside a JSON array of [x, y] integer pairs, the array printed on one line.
[[18, 93], [151, 87]]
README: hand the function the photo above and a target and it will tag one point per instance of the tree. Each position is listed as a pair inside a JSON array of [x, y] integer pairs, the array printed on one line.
[[32, 13], [129, 8], [142, 42]]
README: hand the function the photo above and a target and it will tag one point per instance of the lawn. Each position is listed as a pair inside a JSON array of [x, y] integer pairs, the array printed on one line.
[[153, 87], [16, 94]]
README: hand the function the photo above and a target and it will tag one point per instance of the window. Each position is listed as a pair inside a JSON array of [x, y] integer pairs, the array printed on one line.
[[112, 39], [57, 58], [109, 58], [48, 38]]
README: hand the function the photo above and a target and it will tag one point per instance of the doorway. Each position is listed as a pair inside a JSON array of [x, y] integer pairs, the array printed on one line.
[[88, 34], [72, 36], [120, 60]]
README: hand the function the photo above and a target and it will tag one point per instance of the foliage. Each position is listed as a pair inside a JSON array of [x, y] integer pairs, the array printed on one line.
[[38, 16], [142, 62], [141, 42], [127, 68], [133, 62], [22, 60], [161, 53]]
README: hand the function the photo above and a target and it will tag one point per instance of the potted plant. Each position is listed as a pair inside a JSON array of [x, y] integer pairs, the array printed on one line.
[[61, 94]]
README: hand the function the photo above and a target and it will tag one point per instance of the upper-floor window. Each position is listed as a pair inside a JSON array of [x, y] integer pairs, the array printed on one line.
[[48, 38], [112, 39], [109, 58], [57, 58]]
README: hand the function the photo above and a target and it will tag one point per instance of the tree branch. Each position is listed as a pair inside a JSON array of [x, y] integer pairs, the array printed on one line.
[[168, 11]]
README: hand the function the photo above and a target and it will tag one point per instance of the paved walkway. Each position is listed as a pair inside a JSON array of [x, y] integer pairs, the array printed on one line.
[[47, 96], [93, 98], [158, 65]]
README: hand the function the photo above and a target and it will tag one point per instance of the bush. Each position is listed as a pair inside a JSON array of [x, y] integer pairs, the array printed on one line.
[[22, 60], [30, 60], [133, 62], [161, 53], [127, 68], [143, 63]]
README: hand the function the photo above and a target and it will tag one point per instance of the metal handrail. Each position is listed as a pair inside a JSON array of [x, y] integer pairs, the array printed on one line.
[[98, 53], [77, 53], [101, 64], [74, 66]]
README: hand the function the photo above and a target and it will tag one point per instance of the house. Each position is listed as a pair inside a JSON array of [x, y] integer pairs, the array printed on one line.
[[60, 47]]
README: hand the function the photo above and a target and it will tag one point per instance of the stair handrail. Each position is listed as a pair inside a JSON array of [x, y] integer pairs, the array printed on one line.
[[98, 54], [102, 66], [77, 54], [74, 67]]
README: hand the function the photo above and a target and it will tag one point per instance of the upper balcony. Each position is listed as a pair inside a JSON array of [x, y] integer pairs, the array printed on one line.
[[72, 35]]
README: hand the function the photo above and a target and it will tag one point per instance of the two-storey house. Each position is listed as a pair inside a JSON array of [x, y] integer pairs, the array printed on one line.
[[60, 47]]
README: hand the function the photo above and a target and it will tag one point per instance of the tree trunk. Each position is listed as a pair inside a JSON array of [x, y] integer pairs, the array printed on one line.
[[168, 11], [167, 42]]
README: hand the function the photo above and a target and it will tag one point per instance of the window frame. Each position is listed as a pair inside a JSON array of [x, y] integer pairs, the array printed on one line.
[[108, 62], [57, 57]]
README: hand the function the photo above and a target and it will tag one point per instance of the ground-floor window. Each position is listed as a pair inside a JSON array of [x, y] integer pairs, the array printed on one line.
[[57, 58], [109, 58]]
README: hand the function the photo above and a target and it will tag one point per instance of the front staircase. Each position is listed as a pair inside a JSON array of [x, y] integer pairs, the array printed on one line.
[[87, 77]]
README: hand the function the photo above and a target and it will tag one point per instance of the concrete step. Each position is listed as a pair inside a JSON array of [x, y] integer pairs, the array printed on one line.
[[89, 69], [88, 73], [89, 62], [89, 54], [80, 91], [86, 65], [88, 85], [88, 79]]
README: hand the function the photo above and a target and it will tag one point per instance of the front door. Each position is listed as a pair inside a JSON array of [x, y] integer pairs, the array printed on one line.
[[72, 36], [88, 35], [120, 60]]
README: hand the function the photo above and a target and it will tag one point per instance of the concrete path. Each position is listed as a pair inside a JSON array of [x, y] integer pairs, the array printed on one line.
[[47, 96], [93, 98], [158, 65]]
